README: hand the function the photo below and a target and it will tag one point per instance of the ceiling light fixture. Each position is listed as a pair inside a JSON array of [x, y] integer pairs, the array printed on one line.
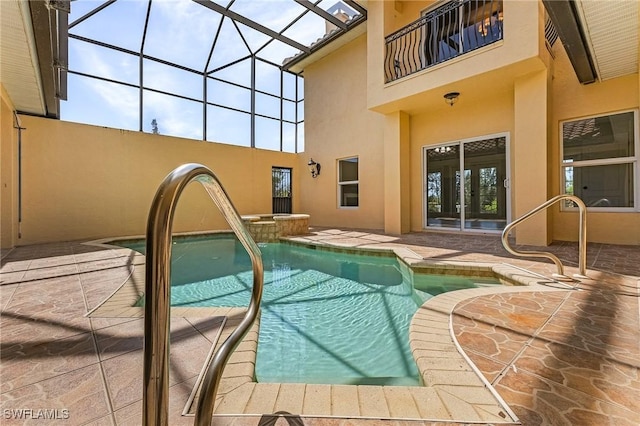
[[451, 97]]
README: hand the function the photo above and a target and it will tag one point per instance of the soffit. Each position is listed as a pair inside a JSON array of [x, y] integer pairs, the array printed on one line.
[[611, 32], [19, 72]]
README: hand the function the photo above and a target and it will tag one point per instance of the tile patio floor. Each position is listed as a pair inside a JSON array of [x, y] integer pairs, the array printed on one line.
[[564, 357]]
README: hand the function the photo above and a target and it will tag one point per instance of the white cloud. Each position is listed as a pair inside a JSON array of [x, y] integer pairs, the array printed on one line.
[[116, 96], [175, 117], [182, 31]]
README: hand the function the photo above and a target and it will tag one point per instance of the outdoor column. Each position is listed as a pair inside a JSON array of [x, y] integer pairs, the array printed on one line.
[[9, 175], [397, 214], [530, 163]]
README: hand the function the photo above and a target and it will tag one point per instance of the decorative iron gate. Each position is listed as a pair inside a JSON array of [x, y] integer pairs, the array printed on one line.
[[281, 189]]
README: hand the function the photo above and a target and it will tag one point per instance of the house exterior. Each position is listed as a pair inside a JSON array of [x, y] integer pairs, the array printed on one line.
[[455, 116], [511, 133]]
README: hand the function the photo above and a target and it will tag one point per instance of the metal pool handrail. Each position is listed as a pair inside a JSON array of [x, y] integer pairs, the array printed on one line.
[[157, 295], [582, 238]]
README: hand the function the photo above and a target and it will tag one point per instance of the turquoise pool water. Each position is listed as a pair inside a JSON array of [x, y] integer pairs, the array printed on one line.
[[327, 317]]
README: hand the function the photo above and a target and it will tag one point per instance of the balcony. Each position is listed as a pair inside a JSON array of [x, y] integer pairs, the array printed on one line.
[[447, 32]]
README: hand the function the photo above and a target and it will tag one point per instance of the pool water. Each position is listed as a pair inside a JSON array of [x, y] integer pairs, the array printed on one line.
[[326, 317]]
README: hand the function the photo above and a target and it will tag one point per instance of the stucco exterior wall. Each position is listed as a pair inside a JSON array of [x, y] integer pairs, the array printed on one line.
[[338, 125], [401, 13], [8, 173], [571, 101], [81, 181], [464, 120], [521, 51]]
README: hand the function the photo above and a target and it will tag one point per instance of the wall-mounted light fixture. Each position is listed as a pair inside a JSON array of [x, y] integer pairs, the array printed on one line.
[[314, 168], [451, 97]]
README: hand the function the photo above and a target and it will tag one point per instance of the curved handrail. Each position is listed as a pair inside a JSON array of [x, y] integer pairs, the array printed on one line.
[[582, 238], [157, 294]]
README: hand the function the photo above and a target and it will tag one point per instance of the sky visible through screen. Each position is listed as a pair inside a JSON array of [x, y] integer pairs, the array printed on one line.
[[183, 32]]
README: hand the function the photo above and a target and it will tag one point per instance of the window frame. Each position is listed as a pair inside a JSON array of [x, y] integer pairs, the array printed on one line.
[[347, 182], [634, 160]]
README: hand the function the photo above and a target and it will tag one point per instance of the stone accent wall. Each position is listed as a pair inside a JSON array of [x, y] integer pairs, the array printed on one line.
[[269, 228]]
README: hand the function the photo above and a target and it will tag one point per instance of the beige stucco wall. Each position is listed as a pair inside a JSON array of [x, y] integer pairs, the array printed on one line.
[[520, 52], [82, 181], [397, 173], [524, 96], [8, 172], [571, 101], [400, 13], [338, 125], [494, 115]]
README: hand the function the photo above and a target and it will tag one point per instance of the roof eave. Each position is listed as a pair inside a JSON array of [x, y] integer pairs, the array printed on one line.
[[326, 45]]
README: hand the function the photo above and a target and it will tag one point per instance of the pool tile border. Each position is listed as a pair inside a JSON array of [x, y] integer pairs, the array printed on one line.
[[454, 389]]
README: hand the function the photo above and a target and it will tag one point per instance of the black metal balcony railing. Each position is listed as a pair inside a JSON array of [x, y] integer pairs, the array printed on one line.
[[451, 30]]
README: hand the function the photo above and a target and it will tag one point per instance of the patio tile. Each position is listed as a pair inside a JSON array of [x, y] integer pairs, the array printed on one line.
[[235, 401], [81, 392], [44, 310], [372, 402], [557, 404], [25, 364], [98, 286], [123, 374], [124, 363], [9, 264], [208, 327], [49, 300], [263, 398], [6, 293], [499, 344], [597, 323], [400, 402], [100, 323], [520, 313], [11, 277], [290, 398], [317, 400], [52, 261], [103, 421], [489, 367], [583, 371], [344, 401], [131, 414], [546, 385], [119, 339]]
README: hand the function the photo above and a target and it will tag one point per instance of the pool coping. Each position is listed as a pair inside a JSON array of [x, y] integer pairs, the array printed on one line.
[[453, 387]]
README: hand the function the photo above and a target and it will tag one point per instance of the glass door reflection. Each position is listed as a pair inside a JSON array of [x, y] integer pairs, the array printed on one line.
[[482, 166]]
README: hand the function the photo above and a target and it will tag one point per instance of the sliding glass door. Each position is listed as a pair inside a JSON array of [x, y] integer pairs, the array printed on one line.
[[474, 171]]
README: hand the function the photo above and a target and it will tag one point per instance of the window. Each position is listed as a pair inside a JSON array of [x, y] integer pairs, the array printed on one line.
[[600, 161], [465, 184], [348, 182]]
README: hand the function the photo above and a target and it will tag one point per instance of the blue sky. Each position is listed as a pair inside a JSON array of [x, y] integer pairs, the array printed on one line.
[[182, 32]]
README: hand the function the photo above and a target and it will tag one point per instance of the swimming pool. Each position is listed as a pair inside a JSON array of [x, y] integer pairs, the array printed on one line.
[[327, 317]]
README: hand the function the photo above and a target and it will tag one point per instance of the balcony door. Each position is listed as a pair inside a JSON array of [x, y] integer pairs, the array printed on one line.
[[465, 185]]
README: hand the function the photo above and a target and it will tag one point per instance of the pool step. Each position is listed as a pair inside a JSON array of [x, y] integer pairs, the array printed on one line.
[[375, 381]]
